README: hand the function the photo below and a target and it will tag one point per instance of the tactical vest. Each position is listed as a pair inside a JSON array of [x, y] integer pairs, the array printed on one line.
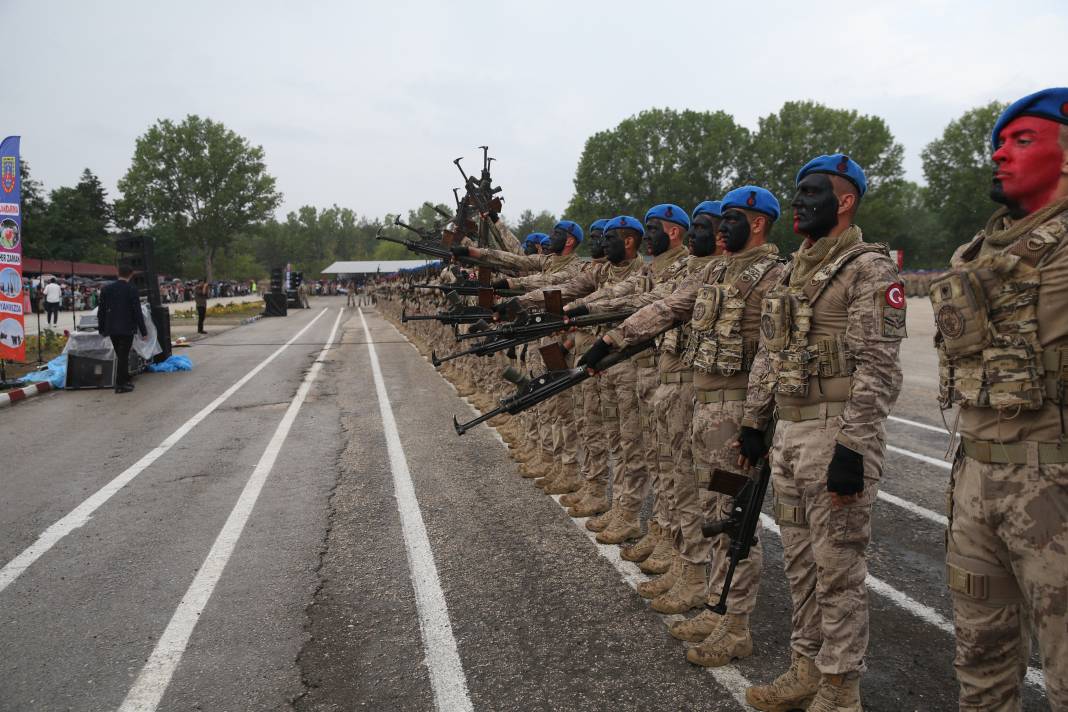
[[785, 320], [714, 342], [672, 341], [986, 311]]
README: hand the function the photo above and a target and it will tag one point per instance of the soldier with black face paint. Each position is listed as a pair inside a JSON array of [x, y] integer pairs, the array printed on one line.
[[828, 366], [704, 226]]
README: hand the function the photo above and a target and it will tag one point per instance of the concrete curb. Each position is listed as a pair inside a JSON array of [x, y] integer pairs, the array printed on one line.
[[20, 394]]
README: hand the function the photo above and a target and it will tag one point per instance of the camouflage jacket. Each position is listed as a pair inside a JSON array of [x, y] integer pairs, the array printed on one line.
[[860, 303], [637, 290], [538, 270]]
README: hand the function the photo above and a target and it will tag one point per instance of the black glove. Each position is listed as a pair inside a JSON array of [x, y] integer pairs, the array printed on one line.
[[494, 217], [577, 310], [752, 444], [500, 284], [507, 306], [596, 352], [460, 251], [845, 474]]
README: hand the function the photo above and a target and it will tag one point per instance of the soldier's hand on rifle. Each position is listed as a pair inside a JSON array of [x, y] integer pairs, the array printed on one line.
[[751, 446], [845, 476], [570, 312], [595, 354], [460, 251], [505, 307], [500, 283]]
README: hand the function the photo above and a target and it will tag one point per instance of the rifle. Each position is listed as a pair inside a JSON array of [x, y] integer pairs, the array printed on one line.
[[748, 494], [507, 337], [557, 379], [469, 289], [460, 312], [422, 247]]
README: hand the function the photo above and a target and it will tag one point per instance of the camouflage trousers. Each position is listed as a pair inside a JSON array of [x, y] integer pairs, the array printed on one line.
[[592, 433], [673, 404], [824, 547], [715, 430], [1008, 558], [648, 381], [630, 478]]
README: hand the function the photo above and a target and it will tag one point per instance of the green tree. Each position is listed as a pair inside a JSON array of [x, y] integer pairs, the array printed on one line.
[[958, 169], [73, 223], [658, 156], [33, 209], [201, 178], [541, 222], [802, 130]]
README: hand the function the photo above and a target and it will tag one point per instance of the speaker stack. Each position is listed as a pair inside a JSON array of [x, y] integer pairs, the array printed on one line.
[[136, 251]]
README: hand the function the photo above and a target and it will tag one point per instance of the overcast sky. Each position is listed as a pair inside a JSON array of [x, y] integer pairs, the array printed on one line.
[[365, 104]]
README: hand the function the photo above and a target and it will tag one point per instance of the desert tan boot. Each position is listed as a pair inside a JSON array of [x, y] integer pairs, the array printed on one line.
[[593, 503], [838, 693], [644, 547], [696, 629], [568, 481], [663, 583], [573, 498], [688, 591], [794, 689], [659, 561], [730, 641], [625, 526], [599, 524]]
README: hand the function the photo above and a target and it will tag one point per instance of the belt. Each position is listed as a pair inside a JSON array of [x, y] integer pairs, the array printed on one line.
[[647, 361], [677, 377], [722, 395], [796, 414], [1022, 453]]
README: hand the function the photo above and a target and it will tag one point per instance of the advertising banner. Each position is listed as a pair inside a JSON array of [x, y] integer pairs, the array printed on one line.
[[12, 300]]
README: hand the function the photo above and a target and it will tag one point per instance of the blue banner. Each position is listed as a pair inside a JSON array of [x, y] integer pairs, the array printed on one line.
[[13, 299]]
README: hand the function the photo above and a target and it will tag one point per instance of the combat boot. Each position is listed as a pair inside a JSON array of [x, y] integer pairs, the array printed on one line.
[[794, 689], [569, 480], [644, 547], [729, 642], [625, 526], [661, 584], [659, 561], [696, 629], [688, 591], [595, 502], [599, 524], [838, 693], [570, 500], [535, 468], [550, 477]]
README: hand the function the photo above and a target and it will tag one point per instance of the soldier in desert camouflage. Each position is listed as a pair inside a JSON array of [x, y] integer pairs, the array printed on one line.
[[828, 366], [1003, 351]]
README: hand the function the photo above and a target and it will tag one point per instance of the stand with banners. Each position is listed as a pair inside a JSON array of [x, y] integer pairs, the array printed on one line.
[[12, 300]]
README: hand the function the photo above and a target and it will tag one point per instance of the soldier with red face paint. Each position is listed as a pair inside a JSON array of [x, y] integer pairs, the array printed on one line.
[[1003, 360]]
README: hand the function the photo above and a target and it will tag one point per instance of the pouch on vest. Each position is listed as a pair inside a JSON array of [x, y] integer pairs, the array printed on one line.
[[775, 322], [961, 313]]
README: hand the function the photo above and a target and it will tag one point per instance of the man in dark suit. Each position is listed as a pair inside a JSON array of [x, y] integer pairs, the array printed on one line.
[[119, 316]]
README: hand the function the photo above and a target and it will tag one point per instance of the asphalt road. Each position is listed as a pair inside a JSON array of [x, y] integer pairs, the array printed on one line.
[[386, 564]]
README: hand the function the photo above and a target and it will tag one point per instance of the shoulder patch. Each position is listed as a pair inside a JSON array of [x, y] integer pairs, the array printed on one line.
[[895, 295]]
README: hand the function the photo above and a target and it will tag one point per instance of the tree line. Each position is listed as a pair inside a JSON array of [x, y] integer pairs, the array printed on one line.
[[205, 194]]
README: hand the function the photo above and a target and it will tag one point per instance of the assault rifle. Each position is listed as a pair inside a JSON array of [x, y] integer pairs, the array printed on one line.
[[557, 379], [423, 247], [460, 313], [469, 289], [748, 498], [510, 336]]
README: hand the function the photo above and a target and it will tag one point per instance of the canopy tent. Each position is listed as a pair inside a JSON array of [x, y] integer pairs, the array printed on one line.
[[383, 267]]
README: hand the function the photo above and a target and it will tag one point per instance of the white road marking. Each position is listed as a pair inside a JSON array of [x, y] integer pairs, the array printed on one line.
[[442, 658], [84, 511], [155, 676], [918, 424], [916, 509], [937, 462]]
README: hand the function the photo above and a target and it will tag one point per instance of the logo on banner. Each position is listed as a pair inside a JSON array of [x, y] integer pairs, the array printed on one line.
[[7, 173], [9, 234]]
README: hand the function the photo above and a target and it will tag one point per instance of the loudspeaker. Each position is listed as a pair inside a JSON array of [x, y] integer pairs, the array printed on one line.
[[84, 372], [161, 317], [274, 304], [278, 275]]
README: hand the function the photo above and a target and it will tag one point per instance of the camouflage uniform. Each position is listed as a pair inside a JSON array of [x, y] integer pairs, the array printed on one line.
[[1006, 365], [828, 365]]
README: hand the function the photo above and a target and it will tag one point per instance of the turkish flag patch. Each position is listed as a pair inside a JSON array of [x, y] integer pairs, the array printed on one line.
[[895, 295]]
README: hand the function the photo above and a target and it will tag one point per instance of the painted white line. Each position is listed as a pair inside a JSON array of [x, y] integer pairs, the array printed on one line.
[[916, 509], [82, 513], [918, 424], [902, 600], [447, 677], [937, 462], [155, 676]]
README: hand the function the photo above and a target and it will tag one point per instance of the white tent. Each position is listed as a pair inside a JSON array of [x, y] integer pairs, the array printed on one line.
[[375, 266]]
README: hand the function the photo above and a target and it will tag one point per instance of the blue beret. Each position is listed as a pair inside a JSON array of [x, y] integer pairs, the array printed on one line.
[[709, 207], [570, 227], [1049, 104], [598, 224], [837, 164], [535, 237], [545, 239], [752, 197], [625, 222], [669, 212]]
